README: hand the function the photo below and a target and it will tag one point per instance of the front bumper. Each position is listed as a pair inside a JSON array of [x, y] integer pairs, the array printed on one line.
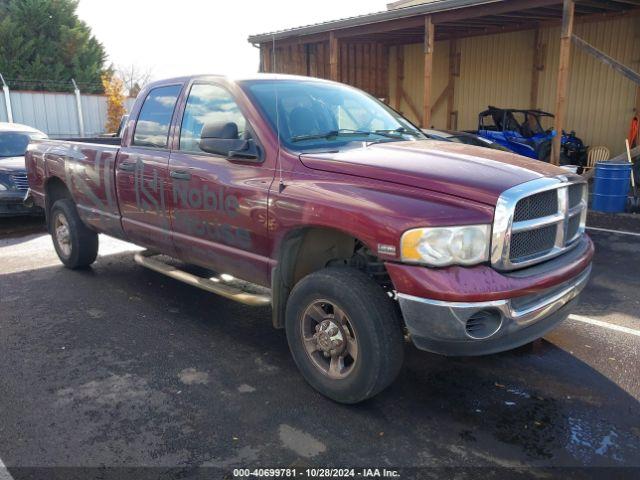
[[480, 328], [12, 205]]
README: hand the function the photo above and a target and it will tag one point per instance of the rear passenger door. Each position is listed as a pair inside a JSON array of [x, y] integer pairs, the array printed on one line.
[[219, 204], [142, 174]]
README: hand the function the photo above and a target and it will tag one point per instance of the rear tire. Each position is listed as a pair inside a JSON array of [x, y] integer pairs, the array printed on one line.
[[75, 244], [344, 333]]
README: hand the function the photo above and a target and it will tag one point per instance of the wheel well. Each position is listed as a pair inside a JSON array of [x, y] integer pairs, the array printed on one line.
[[55, 189], [307, 250]]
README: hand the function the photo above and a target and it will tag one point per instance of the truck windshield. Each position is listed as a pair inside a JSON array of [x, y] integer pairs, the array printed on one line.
[[13, 144], [315, 115]]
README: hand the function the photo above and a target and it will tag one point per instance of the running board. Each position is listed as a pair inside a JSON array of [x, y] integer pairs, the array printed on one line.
[[217, 287]]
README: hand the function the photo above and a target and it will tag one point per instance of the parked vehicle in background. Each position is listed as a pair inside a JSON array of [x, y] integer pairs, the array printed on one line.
[[319, 200], [529, 133], [14, 139], [465, 138]]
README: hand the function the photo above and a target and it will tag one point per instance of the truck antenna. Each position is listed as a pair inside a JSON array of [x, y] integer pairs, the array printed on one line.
[[278, 160]]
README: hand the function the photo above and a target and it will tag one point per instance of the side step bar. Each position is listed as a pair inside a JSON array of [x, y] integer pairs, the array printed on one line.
[[228, 291]]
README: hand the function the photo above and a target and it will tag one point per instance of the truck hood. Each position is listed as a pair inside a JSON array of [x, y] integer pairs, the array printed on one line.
[[469, 172], [12, 164]]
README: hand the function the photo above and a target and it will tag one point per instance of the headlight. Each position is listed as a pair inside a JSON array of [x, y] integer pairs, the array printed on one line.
[[442, 246], [3, 187]]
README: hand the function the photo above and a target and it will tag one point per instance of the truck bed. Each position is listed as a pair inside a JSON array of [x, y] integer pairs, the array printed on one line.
[[87, 167]]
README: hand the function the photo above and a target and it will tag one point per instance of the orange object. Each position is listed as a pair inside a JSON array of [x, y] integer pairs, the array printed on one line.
[[633, 132]]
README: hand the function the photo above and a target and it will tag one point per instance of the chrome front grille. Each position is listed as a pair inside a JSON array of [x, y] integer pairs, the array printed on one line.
[[533, 242], [538, 220], [536, 206], [20, 181]]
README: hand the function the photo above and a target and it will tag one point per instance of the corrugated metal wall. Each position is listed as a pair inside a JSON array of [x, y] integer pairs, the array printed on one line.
[[601, 100], [497, 70], [56, 113], [413, 81]]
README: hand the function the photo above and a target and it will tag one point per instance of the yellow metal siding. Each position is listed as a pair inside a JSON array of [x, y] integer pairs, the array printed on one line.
[[601, 101], [414, 80], [494, 70], [497, 70]]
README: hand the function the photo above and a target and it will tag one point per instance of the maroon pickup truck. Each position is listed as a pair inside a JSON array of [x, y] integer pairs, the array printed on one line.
[[319, 200]]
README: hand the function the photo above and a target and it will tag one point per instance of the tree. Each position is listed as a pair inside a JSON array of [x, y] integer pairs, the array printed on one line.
[[135, 78], [43, 45], [114, 90]]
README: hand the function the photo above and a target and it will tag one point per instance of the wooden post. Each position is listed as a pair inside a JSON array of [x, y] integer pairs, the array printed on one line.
[[428, 70], [453, 73], [265, 58], [536, 69], [334, 57], [563, 77], [399, 75]]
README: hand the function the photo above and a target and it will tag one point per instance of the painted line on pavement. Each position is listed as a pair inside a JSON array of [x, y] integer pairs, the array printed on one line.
[[620, 232], [600, 323], [4, 472]]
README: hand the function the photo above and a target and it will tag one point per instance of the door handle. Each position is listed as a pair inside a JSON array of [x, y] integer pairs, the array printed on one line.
[[127, 166], [180, 175]]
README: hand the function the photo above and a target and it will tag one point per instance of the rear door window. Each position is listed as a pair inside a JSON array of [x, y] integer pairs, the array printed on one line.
[[152, 127]]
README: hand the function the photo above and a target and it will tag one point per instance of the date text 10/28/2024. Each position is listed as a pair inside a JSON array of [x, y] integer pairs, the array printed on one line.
[[315, 473]]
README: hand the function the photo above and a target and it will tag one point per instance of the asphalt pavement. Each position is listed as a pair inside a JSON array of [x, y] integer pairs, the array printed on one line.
[[118, 366]]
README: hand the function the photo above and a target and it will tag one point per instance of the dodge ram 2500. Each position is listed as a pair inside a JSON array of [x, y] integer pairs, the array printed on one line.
[[333, 209]]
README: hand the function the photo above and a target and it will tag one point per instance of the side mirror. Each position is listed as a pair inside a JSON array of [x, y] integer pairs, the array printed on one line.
[[221, 138]]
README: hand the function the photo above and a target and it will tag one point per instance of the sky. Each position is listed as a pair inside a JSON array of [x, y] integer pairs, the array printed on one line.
[[182, 37]]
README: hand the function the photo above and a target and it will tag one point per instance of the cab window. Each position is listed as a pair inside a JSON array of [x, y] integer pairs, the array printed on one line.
[[152, 127], [207, 104]]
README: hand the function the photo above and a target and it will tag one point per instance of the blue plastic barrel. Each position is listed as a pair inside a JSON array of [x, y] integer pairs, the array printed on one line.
[[611, 186]]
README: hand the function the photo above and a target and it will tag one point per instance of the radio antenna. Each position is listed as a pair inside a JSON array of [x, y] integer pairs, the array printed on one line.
[[278, 159]]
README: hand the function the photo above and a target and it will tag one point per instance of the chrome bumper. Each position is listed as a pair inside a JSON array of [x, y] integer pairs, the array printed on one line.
[[452, 328]]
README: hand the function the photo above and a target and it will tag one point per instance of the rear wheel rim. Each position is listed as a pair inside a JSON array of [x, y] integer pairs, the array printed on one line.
[[329, 339], [62, 234]]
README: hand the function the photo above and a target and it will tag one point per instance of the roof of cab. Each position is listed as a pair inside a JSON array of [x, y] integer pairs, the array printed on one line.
[[235, 78]]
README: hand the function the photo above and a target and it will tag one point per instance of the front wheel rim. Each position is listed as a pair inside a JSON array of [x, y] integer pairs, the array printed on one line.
[[329, 339], [62, 234]]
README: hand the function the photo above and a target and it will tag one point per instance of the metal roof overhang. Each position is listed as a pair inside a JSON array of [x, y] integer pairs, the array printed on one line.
[[454, 18]]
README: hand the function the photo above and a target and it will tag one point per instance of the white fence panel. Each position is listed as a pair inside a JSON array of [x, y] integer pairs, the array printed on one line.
[[56, 113]]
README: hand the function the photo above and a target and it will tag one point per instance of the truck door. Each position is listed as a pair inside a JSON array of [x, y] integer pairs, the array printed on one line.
[[219, 215], [142, 174]]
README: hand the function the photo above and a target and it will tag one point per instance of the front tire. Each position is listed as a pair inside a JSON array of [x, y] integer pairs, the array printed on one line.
[[344, 333], [75, 244]]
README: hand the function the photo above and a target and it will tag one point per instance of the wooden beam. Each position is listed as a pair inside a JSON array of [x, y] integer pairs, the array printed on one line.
[[429, 31], [454, 71], [334, 57], [443, 95], [606, 59], [399, 75], [537, 67], [568, 11], [412, 105]]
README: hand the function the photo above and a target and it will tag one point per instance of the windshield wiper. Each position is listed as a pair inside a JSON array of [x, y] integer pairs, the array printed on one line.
[[398, 132], [330, 134]]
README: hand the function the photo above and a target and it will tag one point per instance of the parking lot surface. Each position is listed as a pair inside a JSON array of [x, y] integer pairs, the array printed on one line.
[[120, 366]]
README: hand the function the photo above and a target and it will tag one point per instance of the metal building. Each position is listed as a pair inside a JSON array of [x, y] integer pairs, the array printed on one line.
[[441, 62]]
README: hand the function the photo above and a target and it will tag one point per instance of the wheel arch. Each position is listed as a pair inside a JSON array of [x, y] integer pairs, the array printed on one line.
[[303, 251], [55, 189]]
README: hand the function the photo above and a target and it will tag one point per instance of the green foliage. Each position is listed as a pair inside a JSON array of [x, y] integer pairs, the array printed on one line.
[[43, 45]]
